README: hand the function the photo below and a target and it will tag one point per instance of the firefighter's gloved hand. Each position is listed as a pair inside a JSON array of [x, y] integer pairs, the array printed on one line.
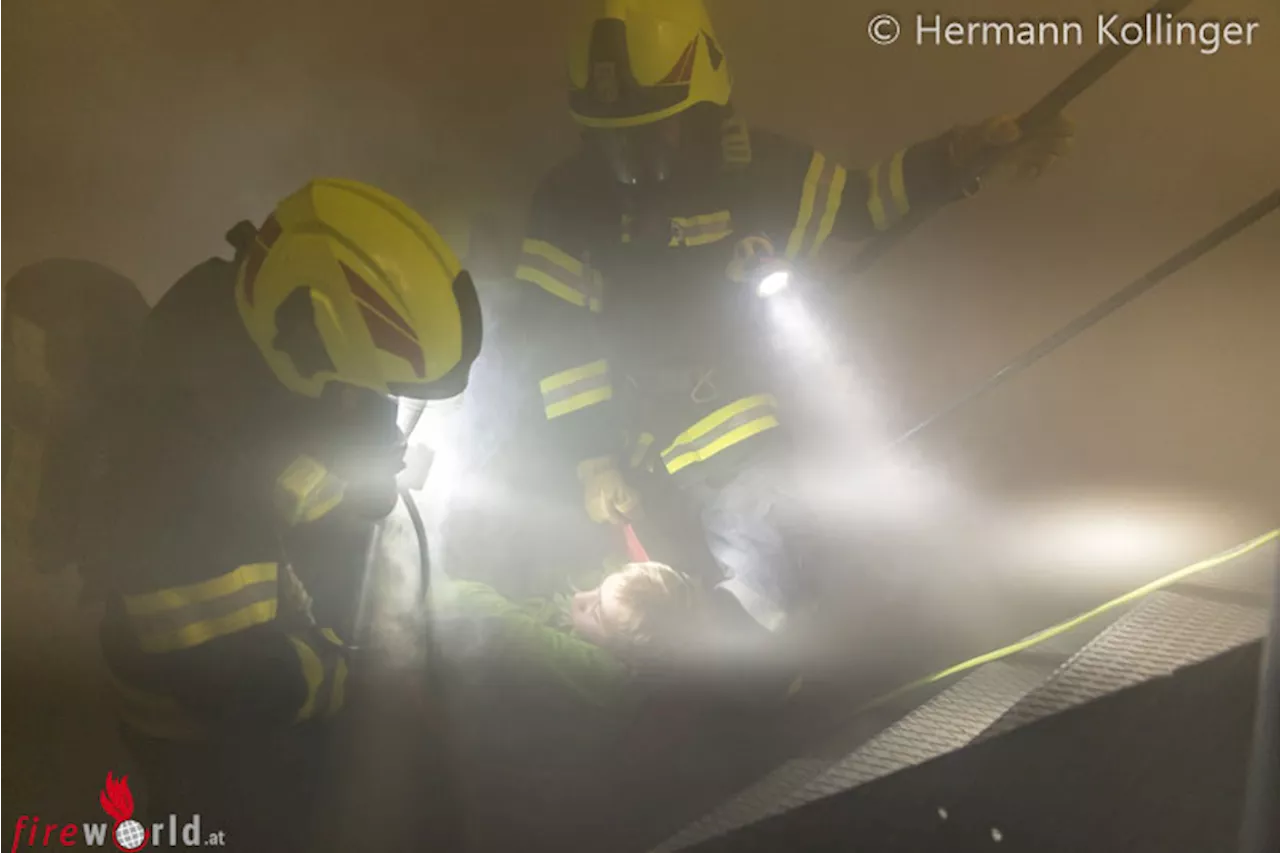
[[1023, 153], [605, 492]]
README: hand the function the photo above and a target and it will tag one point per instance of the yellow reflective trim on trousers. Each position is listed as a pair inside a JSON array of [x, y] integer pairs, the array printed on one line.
[[700, 230], [723, 428], [576, 388], [796, 241], [559, 273], [835, 192], [188, 616]]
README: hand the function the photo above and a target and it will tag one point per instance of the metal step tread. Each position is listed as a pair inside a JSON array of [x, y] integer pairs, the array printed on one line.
[[1166, 631], [948, 721]]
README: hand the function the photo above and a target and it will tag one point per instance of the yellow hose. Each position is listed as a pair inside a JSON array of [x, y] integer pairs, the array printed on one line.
[[1062, 627]]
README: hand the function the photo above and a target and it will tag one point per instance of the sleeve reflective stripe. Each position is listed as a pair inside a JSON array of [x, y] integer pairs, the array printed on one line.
[[722, 428], [307, 491], [187, 616], [700, 230], [325, 672], [881, 217], [577, 388], [560, 274], [819, 204]]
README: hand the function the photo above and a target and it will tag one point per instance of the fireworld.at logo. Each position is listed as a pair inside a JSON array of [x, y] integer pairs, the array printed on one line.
[[126, 833]]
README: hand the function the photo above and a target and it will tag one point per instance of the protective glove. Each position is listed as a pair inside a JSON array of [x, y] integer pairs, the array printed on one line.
[[605, 493], [1023, 154]]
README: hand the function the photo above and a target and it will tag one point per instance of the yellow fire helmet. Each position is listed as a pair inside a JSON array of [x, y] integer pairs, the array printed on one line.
[[636, 62], [345, 283]]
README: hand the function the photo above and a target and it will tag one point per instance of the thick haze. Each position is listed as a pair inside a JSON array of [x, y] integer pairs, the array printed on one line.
[[137, 131]]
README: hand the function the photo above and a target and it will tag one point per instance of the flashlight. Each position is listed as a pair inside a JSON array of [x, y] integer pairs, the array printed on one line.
[[773, 283]]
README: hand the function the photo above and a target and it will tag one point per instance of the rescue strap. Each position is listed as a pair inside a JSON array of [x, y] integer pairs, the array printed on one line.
[[1074, 622], [1043, 110], [1104, 309]]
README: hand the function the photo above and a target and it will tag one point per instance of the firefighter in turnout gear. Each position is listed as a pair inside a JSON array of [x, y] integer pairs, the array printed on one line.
[[263, 404], [653, 355]]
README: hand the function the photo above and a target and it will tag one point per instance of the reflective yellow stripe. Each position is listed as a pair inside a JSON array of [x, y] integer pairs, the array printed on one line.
[[882, 218], [576, 388], [721, 429], [187, 616], [835, 193], [325, 676], [559, 273], [700, 230], [819, 204], [816, 165], [307, 491]]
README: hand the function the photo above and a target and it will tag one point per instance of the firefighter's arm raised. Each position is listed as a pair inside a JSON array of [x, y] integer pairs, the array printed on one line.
[[821, 198]]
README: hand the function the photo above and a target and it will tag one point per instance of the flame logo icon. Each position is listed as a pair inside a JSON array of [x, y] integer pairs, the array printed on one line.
[[117, 801]]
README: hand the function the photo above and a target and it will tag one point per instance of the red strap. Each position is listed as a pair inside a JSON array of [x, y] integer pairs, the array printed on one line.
[[635, 551]]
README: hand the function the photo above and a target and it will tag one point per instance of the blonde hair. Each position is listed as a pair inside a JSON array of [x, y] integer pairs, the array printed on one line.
[[655, 605]]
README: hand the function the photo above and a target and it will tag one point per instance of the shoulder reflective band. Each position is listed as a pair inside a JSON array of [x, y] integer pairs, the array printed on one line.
[[325, 669], [154, 714], [700, 230], [877, 177], [576, 388], [306, 491], [819, 204], [722, 428], [560, 274], [186, 616]]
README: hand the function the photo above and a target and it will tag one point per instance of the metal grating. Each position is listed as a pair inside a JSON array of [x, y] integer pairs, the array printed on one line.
[[948, 721], [1164, 632]]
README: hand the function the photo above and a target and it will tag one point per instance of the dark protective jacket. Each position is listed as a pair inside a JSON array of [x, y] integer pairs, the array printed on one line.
[[207, 630], [644, 336]]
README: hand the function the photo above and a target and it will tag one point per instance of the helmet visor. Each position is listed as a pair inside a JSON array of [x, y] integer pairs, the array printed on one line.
[[637, 156]]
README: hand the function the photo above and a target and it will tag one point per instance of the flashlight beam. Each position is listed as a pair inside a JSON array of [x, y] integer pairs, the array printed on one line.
[[1041, 111], [1104, 309]]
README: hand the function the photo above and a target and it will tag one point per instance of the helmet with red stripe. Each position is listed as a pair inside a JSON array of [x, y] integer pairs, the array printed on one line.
[[345, 283]]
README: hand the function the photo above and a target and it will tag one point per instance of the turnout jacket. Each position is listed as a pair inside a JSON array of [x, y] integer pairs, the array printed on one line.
[[645, 346], [207, 629]]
